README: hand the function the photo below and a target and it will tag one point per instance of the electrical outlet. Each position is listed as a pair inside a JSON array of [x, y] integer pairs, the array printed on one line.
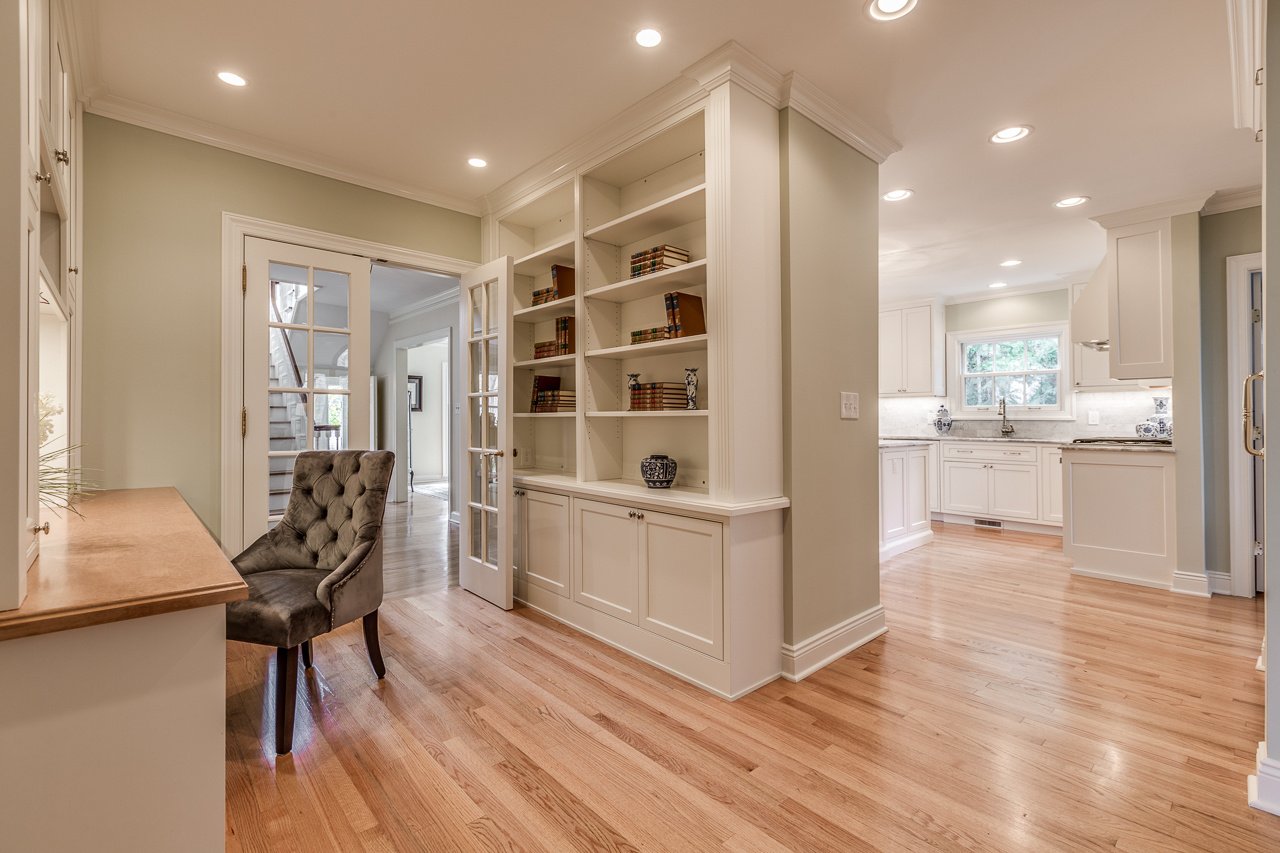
[[849, 405], [1094, 420]]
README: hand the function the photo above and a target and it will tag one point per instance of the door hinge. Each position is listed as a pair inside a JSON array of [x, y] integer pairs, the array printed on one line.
[[1258, 550], [1257, 315], [244, 421], [244, 279]]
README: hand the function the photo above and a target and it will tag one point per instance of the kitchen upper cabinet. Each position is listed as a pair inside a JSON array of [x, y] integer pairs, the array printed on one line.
[[1051, 484], [1140, 304], [542, 540], [911, 351], [1090, 367]]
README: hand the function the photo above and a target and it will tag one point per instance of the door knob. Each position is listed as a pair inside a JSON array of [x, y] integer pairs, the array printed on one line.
[[41, 528]]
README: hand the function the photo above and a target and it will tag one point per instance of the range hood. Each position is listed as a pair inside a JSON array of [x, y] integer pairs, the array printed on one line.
[[1089, 325]]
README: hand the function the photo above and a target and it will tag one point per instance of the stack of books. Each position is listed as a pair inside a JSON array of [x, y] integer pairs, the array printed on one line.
[[562, 345], [645, 336], [685, 315], [658, 258], [548, 397], [562, 286], [658, 397]]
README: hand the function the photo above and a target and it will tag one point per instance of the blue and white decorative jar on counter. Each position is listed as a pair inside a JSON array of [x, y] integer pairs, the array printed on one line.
[[942, 420], [1159, 425], [658, 470]]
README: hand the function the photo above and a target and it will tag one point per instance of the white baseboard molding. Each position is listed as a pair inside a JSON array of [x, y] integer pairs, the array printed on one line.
[[1264, 785], [455, 518], [901, 546], [1220, 583], [1048, 529], [1190, 583], [1112, 576], [807, 657]]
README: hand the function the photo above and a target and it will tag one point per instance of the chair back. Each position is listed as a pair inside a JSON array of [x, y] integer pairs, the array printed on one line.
[[337, 503]]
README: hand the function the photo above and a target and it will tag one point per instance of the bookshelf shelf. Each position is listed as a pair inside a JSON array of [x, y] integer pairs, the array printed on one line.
[[691, 274], [546, 311], [553, 361], [694, 343], [680, 209], [663, 413], [544, 414], [542, 260]]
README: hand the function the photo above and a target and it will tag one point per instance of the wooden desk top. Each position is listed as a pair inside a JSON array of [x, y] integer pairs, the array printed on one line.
[[137, 552]]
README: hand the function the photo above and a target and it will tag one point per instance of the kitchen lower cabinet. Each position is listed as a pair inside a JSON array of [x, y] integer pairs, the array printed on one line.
[[1051, 500], [905, 518], [997, 489], [542, 540], [682, 580], [935, 476], [606, 561], [964, 488]]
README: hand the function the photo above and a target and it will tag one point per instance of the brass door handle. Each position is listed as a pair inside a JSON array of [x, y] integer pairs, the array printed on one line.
[[41, 528], [1247, 415]]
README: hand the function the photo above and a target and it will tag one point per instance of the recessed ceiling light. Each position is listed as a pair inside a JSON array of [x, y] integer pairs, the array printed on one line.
[[898, 195], [1011, 134], [997, 285], [1012, 262], [477, 162], [648, 38], [889, 10], [1071, 201], [231, 78]]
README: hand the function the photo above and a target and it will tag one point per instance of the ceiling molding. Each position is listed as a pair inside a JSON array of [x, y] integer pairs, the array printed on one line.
[[804, 97], [731, 62], [1225, 202], [82, 31], [1014, 291], [1246, 28], [422, 306], [208, 133], [1163, 210]]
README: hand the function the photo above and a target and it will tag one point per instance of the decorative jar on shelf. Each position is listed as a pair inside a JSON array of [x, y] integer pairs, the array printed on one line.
[[942, 421], [658, 470]]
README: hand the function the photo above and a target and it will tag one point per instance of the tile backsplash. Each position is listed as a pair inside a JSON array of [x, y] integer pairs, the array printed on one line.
[[1118, 413]]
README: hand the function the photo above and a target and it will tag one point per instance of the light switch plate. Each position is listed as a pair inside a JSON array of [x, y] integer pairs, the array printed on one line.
[[849, 405], [1094, 420]]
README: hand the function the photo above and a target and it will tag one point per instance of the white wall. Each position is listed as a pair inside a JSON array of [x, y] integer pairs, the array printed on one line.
[[428, 435]]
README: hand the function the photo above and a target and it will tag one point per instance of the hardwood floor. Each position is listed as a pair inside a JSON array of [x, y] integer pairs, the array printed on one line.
[[1009, 707], [420, 547]]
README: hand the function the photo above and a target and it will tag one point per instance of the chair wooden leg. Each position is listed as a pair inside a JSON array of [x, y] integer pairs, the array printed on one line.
[[286, 696], [371, 643], [306, 655]]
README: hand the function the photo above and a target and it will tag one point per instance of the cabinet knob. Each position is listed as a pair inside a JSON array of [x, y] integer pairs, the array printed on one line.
[[62, 156], [74, 270], [43, 177], [41, 528], [640, 515], [631, 514]]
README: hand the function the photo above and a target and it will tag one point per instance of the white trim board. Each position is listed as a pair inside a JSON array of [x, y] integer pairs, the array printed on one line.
[[1190, 583], [1264, 783], [235, 227], [1225, 202], [907, 543], [1239, 463], [801, 660]]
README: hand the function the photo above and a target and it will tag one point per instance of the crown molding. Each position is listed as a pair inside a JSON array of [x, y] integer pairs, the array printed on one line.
[[1163, 210], [733, 63], [1225, 202], [1246, 29], [806, 98], [208, 133], [423, 306], [81, 20]]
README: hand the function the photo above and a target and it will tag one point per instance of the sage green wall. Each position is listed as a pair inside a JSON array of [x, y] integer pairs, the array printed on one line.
[[830, 281], [1222, 235], [153, 206], [1016, 309]]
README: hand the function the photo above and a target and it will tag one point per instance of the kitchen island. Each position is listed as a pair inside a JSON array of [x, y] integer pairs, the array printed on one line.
[[113, 706], [904, 496]]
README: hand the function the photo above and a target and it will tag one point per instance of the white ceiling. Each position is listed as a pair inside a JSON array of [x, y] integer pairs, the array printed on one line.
[[394, 288], [1131, 101]]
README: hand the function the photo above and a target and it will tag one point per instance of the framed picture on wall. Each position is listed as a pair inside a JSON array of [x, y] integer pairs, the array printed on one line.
[[415, 393]]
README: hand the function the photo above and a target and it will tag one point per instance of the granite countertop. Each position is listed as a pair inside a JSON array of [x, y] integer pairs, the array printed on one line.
[[1123, 448], [904, 442], [990, 440]]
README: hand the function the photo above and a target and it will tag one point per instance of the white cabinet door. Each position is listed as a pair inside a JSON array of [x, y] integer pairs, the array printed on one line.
[[606, 558], [891, 366], [1141, 300], [545, 522], [1051, 484], [893, 494], [682, 580], [935, 476], [917, 350], [917, 493], [964, 488], [1015, 491]]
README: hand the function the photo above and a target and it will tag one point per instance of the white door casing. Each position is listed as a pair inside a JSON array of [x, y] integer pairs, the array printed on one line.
[[485, 552], [306, 366]]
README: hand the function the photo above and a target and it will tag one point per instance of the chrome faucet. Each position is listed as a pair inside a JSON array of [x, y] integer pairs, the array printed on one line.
[[1006, 428]]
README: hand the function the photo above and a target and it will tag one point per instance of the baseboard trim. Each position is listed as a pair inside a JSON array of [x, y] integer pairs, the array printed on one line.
[[1264, 785], [1047, 529], [807, 657], [1190, 583], [455, 518], [901, 546], [1220, 583], [1111, 576]]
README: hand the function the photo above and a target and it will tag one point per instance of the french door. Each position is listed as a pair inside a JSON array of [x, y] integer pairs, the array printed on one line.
[[485, 552], [306, 366]]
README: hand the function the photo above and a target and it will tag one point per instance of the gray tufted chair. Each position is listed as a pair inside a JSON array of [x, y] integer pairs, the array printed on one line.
[[318, 569]]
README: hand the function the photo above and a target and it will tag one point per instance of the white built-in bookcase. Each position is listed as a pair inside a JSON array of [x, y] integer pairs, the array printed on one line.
[[670, 185]]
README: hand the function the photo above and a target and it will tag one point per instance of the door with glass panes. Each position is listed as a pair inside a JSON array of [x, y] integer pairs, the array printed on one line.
[[306, 366], [485, 552]]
